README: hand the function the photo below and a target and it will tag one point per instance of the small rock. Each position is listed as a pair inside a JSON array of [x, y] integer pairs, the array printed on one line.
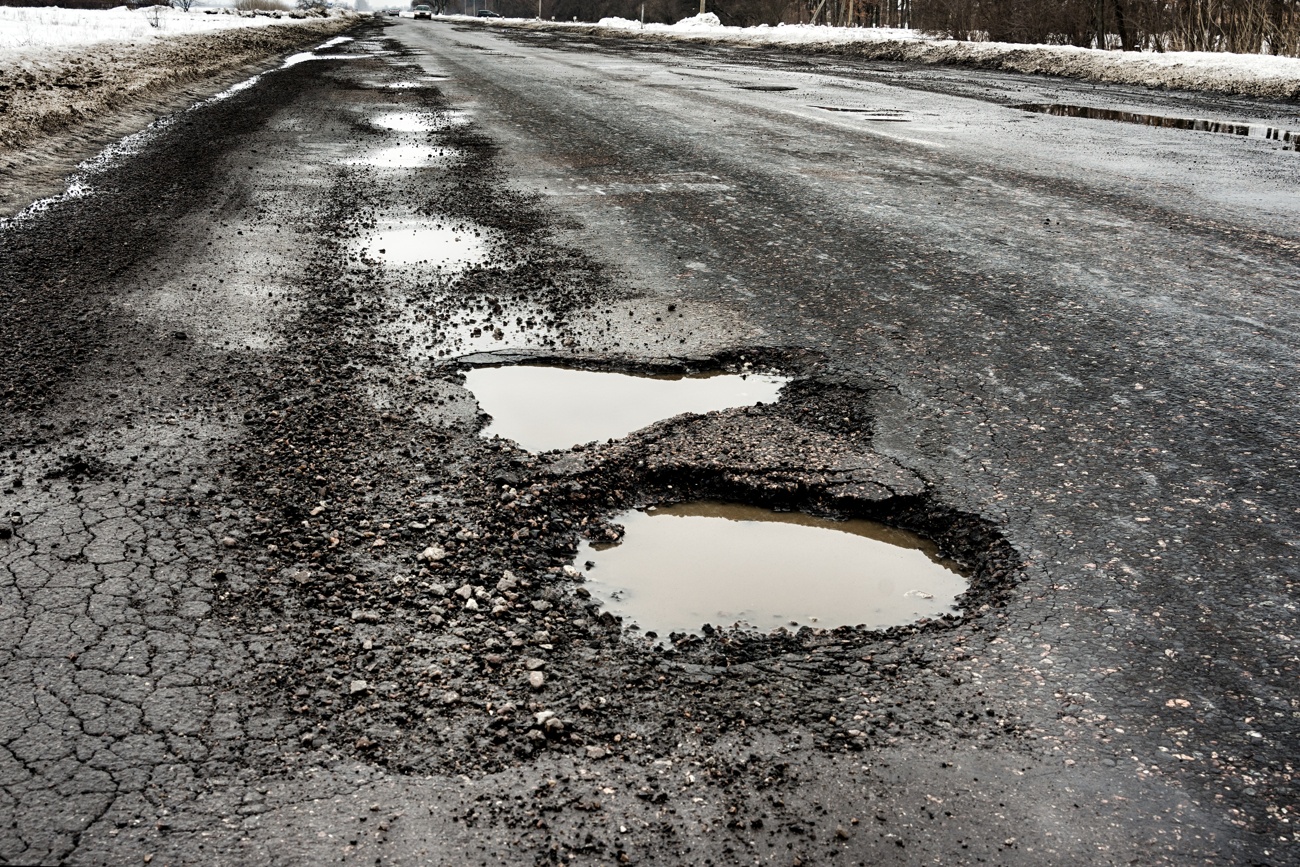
[[361, 616], [450, 697], [508, 582], [432, 554], [596, 752], [471, 605], [358, 686], [570, 572], [532, 663], [229, 541], [438, 589], [536, 679], [542, 605], [543, 715], [465, 591]]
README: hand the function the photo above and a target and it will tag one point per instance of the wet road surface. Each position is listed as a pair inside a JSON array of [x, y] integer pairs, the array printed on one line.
[[268, 597]]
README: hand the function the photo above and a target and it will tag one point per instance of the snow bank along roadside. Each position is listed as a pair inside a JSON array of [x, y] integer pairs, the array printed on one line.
[[1241, 74], [32, 28], [47, 91]]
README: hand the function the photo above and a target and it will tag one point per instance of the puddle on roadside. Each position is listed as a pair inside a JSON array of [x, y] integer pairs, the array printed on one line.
[[1289, 138], [446, 245], [881, 114], [543, 408], [304, 56], [406, 156], [397, 121], [679, 567]]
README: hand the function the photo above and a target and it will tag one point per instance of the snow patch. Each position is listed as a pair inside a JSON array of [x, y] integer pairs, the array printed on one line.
[[36, 30]]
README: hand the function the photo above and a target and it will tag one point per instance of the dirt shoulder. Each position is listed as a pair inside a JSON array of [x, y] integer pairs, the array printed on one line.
[[57, 109]]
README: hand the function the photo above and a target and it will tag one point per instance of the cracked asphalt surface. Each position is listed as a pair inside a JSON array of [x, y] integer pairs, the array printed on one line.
[[268, 598]]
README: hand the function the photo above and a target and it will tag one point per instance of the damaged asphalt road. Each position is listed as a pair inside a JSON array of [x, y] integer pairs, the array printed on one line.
[[269, 598]]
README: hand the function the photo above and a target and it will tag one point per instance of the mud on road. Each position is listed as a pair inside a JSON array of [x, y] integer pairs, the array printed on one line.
[[269, 597]]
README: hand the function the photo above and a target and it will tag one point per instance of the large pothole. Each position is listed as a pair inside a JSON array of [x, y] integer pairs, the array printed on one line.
[[544, 408], [715, 482], [689, 564]]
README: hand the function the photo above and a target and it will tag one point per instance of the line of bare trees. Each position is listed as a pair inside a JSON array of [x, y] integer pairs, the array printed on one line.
[[1245, 26]]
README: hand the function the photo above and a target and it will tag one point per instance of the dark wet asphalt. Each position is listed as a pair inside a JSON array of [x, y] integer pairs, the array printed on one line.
[[1076, 335]]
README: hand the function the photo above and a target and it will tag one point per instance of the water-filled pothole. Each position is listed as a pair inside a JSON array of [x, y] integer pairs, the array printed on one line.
[[304, 56], [448, 245], [1288, 137], [406, 156], [679, 567], [543, 408], [400, 121], [888, 115]]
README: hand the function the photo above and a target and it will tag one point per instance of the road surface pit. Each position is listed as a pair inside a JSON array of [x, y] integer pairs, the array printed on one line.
[[406, 156], [450, 245], [682, 566], [409, 121], [881, 114], [1290, 139], [543, 408]]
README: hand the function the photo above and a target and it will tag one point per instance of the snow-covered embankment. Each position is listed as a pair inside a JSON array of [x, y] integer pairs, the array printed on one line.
[[64, 68]]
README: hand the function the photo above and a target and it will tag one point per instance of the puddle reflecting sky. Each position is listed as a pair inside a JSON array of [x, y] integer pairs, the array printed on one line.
[[1285, 136], [406, 121], [544, 408], [446, 245], [682, 566], [406, 156], [413, 121]]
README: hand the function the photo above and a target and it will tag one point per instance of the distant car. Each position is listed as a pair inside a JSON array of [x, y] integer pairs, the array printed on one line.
[[423, 11], [488, 13], [393, 13]]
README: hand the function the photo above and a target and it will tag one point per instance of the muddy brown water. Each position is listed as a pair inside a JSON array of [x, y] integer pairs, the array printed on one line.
[[543, 408], [1288, 138], [679, 567]]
